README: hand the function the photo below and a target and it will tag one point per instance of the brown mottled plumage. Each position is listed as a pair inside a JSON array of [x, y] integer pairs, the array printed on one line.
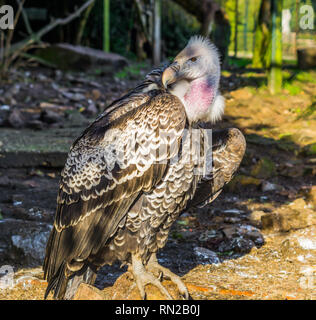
[[128, 177]]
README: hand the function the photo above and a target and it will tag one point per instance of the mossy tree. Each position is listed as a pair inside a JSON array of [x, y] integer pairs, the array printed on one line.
[[275, 68], [106, 25], [261, 54]]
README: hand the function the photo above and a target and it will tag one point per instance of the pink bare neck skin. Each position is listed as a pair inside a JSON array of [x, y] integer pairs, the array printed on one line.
[[200, 95]]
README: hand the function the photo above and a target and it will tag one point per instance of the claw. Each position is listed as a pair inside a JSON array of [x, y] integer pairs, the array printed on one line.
[[154, 267], [143, 277]]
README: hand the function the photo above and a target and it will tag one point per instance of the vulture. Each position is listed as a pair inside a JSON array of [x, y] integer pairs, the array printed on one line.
[[136, 168]]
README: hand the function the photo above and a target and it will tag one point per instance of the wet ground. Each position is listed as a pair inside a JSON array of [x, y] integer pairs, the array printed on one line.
[[255, 241]]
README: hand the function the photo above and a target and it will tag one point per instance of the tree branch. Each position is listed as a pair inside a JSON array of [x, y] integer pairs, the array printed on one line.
[[25, 19], [35, 37]]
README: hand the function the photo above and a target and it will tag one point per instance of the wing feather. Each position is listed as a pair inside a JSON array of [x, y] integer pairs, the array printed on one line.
[[105, 174], [226, 152]]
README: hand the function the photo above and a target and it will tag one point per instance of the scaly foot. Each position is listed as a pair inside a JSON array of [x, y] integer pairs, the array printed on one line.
[[143, 277], [154, 267]]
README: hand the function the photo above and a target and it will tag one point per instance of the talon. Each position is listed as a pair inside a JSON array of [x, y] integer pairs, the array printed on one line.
[[154, 267], [143, 277]]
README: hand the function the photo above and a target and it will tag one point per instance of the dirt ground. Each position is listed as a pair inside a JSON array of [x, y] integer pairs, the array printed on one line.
[[255, 241]]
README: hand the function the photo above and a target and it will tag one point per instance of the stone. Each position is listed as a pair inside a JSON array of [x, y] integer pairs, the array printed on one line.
[[243, 180], [50, 116], [16, 119], [33, 244], [237, 245], [267, 186], [255, 217], [206, 256], [88, 292], [78, 58], [74, 96], [95, 94], [309, 150], [294, 216], [23, 241], [306, 58], [311, 196], [125, 288], [35, 124], [91, 109], [76, 119], [264, 169]]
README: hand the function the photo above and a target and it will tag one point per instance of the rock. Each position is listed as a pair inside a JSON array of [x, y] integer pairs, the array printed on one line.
[[206, 256], [23, 241], [243, 180], [91, 110], [69, 57], [311, 196], [35, 124], [309, 150], [264, 169], [32, 245], [294, 216], [95, 94], [125, 288], [307, 244], [5, 108], [74, 96], [16, 119], [88, 292], [255, 217], [306, 58], [267, 186], [230, 232], [76, 119], [237, 245], [50, 116], [29, 148]]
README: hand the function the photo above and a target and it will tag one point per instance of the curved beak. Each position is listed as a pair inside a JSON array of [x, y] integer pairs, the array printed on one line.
[[170, 75]]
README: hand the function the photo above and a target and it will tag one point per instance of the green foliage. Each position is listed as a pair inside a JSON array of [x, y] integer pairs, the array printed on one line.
[[122, 19], [304, 76], [309, 111], [253, 9], [177, 27], [292, 88], [131, 71], [239, 62]]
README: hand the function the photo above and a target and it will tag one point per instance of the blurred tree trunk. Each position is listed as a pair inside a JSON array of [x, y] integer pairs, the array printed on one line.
[[142, 30], [157, 33], [275, 74], [262, 36], [203, 10], [236, 30], [106, 25], [245, 31], [83, 23]]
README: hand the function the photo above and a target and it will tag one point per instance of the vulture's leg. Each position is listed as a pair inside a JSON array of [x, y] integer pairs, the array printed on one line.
[[86, 275], [162, 272], [144, 277]]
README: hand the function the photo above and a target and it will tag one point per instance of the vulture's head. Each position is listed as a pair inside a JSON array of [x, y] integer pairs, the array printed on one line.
[[193, 77]]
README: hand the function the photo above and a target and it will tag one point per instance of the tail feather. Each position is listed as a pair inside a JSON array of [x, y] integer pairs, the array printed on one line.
[[58, 283], [65, 287]]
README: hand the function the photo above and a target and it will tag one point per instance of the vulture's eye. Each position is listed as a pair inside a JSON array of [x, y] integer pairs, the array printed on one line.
[[193, 59]]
